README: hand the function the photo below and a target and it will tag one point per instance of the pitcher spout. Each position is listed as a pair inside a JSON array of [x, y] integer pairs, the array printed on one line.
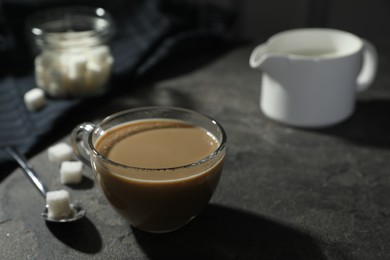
[[262, 58], [258, 56]]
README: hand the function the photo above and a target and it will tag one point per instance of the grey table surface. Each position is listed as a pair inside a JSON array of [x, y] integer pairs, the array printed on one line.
[[285, 193]]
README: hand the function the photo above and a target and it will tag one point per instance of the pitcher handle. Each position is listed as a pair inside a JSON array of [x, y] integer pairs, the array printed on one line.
[[369, 67], [79, 141]]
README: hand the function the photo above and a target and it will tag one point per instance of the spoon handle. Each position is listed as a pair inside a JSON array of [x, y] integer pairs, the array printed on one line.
[[28, 170]]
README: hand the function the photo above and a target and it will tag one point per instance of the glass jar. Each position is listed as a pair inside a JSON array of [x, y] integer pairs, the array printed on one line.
[[73, 58]]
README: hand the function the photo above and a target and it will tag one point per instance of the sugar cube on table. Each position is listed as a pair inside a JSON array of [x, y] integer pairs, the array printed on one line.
[[71, 172], [35, 99], [58, 203], [60, 152]]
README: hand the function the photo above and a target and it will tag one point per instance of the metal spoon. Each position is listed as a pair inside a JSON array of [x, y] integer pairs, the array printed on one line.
[[78, 211]]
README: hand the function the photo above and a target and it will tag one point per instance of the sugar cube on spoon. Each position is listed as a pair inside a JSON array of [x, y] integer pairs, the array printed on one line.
[[58, 203]]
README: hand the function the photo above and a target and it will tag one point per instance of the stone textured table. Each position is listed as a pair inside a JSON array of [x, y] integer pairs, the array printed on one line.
[[285, 193]]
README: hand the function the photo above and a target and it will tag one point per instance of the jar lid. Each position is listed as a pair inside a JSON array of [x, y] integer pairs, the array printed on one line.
[[69, 27]]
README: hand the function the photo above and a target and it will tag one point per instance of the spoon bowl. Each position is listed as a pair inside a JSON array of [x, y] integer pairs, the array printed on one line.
[[77, 213]]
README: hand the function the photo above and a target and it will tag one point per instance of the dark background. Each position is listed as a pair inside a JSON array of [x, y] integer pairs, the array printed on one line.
[[366, 18], [253, 19]]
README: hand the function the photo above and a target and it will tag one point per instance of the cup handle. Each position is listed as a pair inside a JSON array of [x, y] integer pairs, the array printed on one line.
[[79, 141], [369, 67]]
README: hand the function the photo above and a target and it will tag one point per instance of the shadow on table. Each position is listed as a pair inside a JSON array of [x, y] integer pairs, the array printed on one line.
[[225, 233], [81, 235], [86, 183], [369, 125]]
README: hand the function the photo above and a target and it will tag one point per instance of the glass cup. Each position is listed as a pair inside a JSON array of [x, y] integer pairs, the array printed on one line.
[[156, 200]]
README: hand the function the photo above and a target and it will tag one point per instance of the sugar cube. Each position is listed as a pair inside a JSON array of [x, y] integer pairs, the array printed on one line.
[[60, 152], [71, 172], [58, 203], [76, 66], [35, 99]]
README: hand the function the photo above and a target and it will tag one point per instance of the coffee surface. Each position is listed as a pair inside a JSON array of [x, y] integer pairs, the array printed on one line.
[[157, 144]]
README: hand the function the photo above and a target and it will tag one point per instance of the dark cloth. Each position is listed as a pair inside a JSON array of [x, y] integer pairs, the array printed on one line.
[[146, 33]]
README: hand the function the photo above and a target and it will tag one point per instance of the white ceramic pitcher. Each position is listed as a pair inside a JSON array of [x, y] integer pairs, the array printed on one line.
[[311, 75]]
